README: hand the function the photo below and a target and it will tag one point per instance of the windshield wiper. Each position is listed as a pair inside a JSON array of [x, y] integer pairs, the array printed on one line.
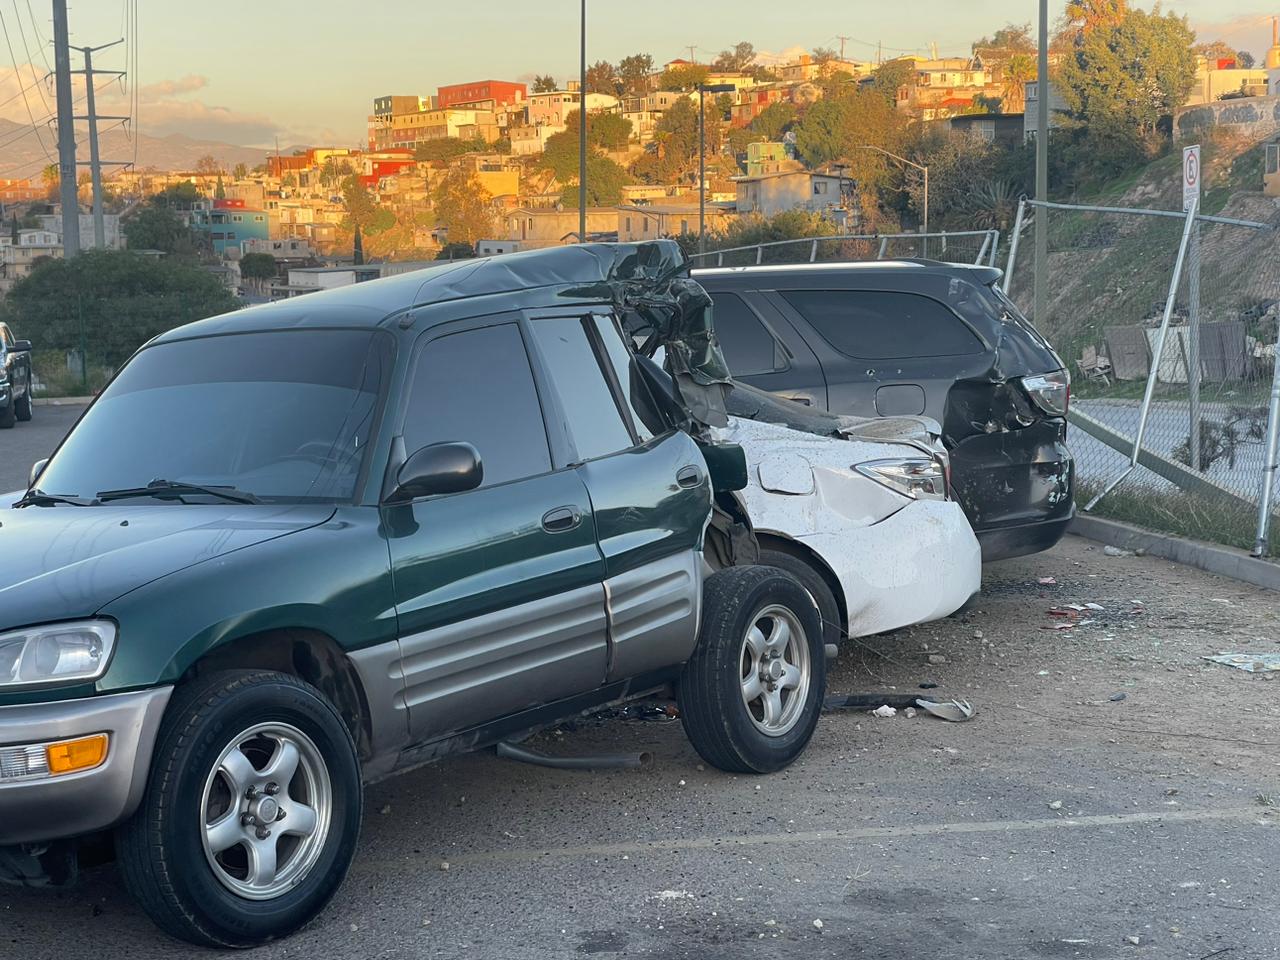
[[165, 489], [39, 498]]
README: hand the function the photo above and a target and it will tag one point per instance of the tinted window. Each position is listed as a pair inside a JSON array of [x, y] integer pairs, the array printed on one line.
[[748, 347], [620, 358], [591, 417], [881, 325], [284, 416], [477, 386]]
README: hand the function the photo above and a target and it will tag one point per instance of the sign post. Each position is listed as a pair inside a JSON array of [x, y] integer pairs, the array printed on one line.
[[1191, 178]]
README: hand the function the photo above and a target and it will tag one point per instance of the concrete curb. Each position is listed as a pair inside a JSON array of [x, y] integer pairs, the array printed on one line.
[[1224, 561], [62, 401]]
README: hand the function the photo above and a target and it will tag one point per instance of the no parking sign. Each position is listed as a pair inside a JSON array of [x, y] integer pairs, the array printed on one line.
[[1190, 176]]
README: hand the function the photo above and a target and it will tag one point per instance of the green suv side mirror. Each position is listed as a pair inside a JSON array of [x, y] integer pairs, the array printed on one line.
[[436, 469]]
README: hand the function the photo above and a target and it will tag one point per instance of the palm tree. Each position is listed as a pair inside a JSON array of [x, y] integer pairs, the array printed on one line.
[[1018, 72], [52, 180]]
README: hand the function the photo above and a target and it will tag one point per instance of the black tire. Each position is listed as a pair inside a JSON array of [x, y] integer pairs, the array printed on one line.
[[816, 584], [713, 708], [161, 849], [22, 408], [9, 413]]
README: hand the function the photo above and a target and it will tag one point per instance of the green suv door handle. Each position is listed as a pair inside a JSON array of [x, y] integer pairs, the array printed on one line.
[[689, 476], [561, 519]]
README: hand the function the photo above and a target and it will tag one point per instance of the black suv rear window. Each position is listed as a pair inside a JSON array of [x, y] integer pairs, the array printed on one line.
[[883, 324]]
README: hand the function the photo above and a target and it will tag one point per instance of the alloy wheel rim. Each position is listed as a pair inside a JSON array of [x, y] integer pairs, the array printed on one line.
[[775, 671], [265, 811]]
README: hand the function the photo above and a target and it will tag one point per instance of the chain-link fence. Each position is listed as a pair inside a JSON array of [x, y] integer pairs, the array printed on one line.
[[966, 246], [1169, 326]]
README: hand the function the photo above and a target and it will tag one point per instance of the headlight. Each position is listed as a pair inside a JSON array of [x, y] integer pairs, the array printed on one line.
[[1050, 391], [917, 478], [56, 652]]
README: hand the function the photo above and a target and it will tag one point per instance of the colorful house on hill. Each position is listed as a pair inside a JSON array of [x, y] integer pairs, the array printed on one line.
[[229, 223]]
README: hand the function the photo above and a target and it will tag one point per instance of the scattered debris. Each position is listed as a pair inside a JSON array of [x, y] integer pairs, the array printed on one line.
[[1055, 805], [1133, 940], [957, 711], [909, 713], [817, 924], [1047, 582], [937, 659], [884, 710], [1111, 551], [673, 895], [444, 864], [1249, 662], [1266, 799], [386, 809], [1117, 697]]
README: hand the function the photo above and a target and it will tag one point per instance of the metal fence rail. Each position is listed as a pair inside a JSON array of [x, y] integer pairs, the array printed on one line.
[[961, 246], [1169, 323]]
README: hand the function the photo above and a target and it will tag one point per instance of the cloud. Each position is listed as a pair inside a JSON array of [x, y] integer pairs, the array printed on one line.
[[171, 88], [769, 58], [1251, 32]]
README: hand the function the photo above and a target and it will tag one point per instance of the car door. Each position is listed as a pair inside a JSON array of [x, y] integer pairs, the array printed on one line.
[[499, 591], [650, 493], [764, 350], [885, 352]]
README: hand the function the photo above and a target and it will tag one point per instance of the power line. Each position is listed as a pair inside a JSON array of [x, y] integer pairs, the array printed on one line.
[[41, 42], [22, 34], [25, 101]]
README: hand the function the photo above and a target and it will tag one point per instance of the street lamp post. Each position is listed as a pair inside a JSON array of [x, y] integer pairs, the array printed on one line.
[[923, 168], [703, 90]]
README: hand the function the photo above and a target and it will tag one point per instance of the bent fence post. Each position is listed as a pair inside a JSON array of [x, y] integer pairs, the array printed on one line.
[[1271, 465], [1157, 356], [1013, 245]]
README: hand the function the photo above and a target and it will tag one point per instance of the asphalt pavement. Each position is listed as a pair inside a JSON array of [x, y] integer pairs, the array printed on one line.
[[31, 441], [1114, 797]]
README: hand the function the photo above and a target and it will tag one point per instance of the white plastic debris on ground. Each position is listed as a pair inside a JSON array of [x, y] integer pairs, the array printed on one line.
[[884, 711], [1249, 662]]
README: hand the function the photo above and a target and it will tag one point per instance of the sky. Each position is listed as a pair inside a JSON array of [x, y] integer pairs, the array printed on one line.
[[249, 71]]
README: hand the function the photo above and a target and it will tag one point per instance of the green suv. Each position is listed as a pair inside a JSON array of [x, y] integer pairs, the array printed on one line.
[[306, 545]]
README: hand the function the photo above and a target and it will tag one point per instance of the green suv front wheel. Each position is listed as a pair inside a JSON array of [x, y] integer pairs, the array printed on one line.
[[251, 812]]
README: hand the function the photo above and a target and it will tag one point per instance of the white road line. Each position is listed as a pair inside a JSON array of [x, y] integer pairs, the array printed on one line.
[[829, 836]]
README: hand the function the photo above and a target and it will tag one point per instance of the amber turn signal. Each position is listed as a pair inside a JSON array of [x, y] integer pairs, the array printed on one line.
[[72, 756]]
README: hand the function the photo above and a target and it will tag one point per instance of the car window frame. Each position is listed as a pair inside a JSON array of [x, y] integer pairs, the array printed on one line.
[[780, 349], [551, 402], [422, 344], [782, 291]]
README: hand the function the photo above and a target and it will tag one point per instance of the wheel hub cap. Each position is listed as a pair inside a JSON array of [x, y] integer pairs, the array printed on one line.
[[776, 670]]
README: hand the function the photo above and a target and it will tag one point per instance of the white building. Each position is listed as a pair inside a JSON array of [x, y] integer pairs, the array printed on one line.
[[553, 108]]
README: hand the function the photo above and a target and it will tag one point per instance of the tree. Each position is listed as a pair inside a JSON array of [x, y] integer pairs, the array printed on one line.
[[737, 60], [774, 120], [674, 155], [446, 148], [1214, 52], [1019, 70], [219, 191], [607, 130], [359, 202], [1126, 76], [1009, 40], [258, 268], [1085, 16], [687, 77], [602, 78], [1244, 60], [156, 227], [51, 177], [544, 83], [179, 196], [121, 297], [605, 180], [462, 207], [824, 57], [633, 73], [240, 171], [892, 75]]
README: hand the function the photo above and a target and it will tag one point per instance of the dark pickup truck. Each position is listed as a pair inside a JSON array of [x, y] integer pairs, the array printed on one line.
[[15, 378]]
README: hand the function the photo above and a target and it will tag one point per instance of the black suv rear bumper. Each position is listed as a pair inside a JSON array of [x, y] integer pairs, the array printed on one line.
[[1017, 488]]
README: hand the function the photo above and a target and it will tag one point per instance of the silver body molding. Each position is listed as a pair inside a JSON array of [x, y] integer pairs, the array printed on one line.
[[72, 804], [431, 685]]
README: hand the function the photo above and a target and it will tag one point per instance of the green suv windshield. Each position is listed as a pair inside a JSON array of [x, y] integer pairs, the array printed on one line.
[[273, 417]]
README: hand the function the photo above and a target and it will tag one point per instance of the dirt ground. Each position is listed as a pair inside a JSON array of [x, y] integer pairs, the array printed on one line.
[[1064, 820]]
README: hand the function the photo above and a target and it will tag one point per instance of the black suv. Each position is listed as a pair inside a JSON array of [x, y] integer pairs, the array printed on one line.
[[15, 378], [909, 338]]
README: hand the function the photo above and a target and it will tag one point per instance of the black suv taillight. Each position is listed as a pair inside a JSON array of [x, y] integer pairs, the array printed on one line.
[[1051, 392]]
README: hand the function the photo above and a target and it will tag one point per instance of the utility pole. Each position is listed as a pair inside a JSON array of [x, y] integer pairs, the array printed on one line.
[[692, 58], [1043, 99], [95, 162], [66, 132], [582, 131], [842, 41]]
